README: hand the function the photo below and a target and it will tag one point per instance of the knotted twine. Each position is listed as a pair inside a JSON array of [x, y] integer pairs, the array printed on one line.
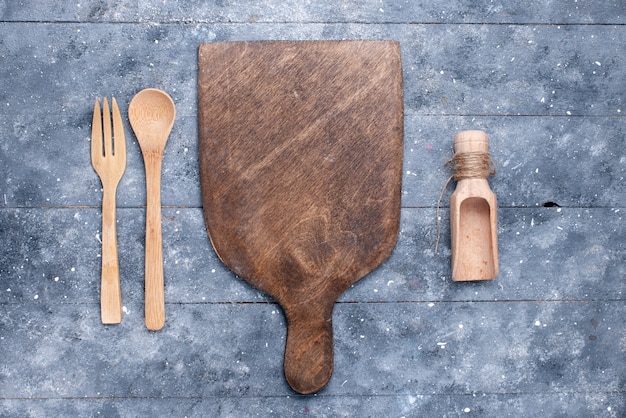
[[465, 165]]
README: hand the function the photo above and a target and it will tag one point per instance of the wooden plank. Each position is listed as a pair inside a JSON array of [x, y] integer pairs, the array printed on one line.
[[407, 404], [371, 11], [540, 160], [545, 254], [57, 351], [448, 69]]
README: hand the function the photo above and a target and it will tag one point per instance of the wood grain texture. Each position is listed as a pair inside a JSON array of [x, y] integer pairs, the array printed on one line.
[[301, 166]]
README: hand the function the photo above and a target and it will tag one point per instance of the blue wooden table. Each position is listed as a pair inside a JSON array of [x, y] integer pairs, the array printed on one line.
[[545, 79]]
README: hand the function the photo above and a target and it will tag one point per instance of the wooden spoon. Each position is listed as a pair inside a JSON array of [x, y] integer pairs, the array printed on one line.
[[152, 114]]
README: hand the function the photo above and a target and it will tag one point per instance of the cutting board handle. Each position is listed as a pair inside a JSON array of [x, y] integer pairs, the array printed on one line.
[[309, 349]]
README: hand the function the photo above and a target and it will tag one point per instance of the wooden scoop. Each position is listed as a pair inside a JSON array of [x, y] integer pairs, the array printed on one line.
[[473, 215], [301, 168]]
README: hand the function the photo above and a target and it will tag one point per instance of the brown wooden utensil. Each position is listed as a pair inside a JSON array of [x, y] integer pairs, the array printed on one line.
[[301, 167], [108, 157], [152, 113], [473, 210]]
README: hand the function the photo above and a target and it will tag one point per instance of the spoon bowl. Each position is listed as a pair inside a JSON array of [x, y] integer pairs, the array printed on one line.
[[152, 114]]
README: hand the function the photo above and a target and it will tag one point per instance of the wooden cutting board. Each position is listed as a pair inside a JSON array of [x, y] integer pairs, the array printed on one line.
[[301, 169]]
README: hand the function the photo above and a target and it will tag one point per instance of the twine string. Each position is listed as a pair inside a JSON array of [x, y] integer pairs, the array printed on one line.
[[465, 165], [471, 165]]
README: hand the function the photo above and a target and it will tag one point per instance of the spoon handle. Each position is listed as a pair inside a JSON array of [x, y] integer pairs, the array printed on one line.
[[154, 294]]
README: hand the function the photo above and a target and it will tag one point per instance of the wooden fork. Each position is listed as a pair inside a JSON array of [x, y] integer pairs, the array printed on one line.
[[108, 156]]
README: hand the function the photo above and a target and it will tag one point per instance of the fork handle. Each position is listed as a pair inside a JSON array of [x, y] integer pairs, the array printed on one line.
[[110, 290], [154, 296]]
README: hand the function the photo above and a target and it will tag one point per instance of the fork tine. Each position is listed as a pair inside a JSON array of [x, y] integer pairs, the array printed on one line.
[[96, 134], [106, 121], [119, 141]]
